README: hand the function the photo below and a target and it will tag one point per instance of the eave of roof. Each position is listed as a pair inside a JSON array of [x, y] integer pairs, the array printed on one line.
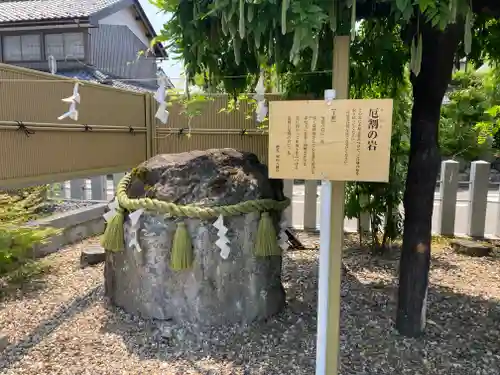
[[80, 18], [159, 48], [96, 76], [41, 10]]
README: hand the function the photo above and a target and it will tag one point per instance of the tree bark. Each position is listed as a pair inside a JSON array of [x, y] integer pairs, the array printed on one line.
[[428, 91]]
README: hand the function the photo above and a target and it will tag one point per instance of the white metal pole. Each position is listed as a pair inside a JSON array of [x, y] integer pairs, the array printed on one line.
[[332, 238]]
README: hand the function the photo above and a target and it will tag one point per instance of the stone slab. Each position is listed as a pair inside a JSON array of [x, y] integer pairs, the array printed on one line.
[[92, 255], [4, 341], [76, 225], [471, 248]]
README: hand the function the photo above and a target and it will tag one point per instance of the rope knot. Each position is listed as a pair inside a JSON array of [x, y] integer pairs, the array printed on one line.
[[21, 127]]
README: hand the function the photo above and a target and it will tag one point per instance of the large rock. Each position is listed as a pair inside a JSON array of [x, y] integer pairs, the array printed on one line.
[[215, 291]]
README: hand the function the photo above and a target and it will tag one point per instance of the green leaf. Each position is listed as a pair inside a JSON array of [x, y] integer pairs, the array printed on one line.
[[407, 13], [493, 111], [425, 4], [403, 5], [435, 21]]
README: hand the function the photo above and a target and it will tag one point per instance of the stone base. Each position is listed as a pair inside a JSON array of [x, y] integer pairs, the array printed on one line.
[[471, 248], [91, 256], [215, 291]]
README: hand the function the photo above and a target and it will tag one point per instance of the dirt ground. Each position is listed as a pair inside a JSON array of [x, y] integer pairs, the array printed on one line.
[[60, 323]]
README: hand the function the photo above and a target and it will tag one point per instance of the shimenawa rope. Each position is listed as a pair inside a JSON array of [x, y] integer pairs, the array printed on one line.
[[182, 256]]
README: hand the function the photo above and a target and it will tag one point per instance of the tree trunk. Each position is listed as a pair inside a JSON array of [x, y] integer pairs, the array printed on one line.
[[428, 91]]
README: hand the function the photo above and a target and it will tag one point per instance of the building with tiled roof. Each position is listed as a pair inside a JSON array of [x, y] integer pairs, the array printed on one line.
[[98, 40]]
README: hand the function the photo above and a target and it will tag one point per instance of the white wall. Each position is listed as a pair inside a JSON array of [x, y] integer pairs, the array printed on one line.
[[126, 17]]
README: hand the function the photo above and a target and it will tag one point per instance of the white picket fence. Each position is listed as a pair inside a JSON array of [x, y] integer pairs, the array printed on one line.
[[472, 209]]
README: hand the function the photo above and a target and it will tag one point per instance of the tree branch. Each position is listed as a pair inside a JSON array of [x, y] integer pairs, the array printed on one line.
[[377, 9], [486, 7]]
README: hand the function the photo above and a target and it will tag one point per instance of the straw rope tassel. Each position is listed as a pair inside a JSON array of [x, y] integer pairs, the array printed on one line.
[[266, 243], [182, 254], [113, 237]]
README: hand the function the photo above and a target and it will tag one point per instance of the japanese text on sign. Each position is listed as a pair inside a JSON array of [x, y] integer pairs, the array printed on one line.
[[345, 140], [372, 129]]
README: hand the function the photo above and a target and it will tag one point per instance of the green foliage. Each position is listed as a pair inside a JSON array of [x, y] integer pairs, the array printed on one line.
[[249, 103], [471, 116], [489, 126], [381, 201], [191, 105], [485, 41], [371, 77], [235, 37], [239, 37], [17, 238]]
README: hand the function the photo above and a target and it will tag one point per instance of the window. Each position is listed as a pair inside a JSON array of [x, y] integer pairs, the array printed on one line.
[[22, 48], [62, 46], [54, 45]]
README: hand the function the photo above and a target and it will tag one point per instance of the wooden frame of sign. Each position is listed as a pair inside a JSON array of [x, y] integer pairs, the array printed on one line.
[[341, 140], [334, 141]]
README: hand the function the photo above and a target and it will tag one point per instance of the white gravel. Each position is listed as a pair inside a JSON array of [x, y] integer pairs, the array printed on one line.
[[61, 324], [52, 207]]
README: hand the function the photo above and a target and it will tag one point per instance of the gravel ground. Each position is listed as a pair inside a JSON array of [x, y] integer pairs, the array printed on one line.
[[61, 324]]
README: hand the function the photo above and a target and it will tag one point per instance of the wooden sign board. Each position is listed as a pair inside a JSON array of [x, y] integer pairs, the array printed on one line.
[[344, 140]]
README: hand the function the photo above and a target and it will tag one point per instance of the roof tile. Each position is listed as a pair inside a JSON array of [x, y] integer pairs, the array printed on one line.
[[97, 76], [34, 10]]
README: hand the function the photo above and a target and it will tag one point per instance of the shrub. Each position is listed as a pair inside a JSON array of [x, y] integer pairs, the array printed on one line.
[[17, 235]]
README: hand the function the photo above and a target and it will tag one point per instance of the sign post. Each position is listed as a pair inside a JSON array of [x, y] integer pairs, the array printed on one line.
[[332, 239], [333, 141]]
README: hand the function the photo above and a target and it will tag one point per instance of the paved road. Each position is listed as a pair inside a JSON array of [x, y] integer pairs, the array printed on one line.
[[460, 218]]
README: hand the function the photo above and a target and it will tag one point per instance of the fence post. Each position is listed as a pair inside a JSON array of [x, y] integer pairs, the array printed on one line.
[[66, 189], [147, 120], [99, 188], [497, 228], [448, 193], [154, 125], [288, 191], [310, 204], [116, 180], [56, 190], [77, 189], [479, 175]]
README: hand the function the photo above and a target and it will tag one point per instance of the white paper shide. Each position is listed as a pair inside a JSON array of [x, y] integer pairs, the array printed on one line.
[[72, 100], [112, 210], [282, 237], [260, 90], [160, 97], [134, 229], [222, 242]]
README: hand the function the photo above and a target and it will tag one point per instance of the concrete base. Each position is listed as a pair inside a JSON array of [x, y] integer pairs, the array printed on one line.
[[76, 225]]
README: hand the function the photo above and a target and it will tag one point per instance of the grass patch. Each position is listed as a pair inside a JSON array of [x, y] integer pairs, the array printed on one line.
[[17, 238], [440, 242]]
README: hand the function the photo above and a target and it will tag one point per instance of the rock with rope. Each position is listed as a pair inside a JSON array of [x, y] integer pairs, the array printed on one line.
[[204, 248]]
